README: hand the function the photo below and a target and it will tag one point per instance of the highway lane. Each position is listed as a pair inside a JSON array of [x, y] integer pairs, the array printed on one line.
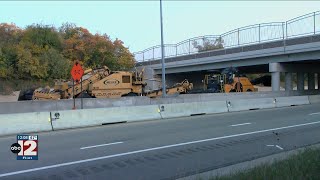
[[177, 159]]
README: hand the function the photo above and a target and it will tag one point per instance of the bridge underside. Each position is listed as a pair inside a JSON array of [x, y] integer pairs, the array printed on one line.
[[294, 60], [299, 75]]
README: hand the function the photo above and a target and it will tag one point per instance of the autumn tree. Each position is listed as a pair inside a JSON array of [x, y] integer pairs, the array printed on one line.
[[41, 52]]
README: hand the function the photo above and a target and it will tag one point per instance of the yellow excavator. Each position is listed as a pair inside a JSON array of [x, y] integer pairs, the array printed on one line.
[[103, 83]]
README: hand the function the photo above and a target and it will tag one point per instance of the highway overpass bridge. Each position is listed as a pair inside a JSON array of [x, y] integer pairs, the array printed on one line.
[[279, 47]]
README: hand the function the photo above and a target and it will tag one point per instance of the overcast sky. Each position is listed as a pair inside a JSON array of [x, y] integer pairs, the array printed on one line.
[[137, 23]]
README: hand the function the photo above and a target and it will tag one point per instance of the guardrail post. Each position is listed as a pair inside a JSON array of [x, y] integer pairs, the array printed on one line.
[[286, 29], [259, 33], [153, 52], [176, 50], [283, 36], [238, 37], [189, 46], [282, 30], [314, 22]]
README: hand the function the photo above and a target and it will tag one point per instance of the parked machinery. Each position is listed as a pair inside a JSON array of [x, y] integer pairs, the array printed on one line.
[[226, 81], [229, 80], [103, 83], [178, 88]]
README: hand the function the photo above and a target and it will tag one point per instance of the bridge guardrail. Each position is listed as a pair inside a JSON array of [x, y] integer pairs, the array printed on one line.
[[304, 25]]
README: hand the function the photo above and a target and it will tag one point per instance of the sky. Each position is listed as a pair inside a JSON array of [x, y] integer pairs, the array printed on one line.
[[137, 23]]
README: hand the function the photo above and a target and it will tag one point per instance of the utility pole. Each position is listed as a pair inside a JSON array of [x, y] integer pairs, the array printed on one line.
[[162, 56]]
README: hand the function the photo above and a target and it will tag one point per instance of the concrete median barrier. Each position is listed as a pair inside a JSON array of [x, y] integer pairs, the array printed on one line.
[[314, 99], [94, 117], [291, 101], [194, 108], [24, 123], [250, 104]]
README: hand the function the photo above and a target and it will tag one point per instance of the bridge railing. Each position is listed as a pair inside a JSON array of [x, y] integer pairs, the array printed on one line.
[[307, 24]]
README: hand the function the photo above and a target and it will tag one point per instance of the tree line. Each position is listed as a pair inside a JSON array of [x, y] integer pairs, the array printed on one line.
[[42, 52]]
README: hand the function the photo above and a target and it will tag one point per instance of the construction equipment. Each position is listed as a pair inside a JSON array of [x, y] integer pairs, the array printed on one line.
[[65, 90], [229, 80], [103, 83], [179, 88]]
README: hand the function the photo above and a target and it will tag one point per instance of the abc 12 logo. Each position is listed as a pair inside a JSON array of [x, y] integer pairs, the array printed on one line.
[[26, 147]]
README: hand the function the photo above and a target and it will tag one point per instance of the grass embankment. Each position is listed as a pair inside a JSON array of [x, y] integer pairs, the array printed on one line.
[[305, 165]]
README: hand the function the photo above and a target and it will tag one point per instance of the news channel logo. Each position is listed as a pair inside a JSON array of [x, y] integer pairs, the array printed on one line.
[[26, 147]]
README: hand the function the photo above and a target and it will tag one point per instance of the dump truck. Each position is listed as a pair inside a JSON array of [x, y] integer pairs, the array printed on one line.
[[103, 83]]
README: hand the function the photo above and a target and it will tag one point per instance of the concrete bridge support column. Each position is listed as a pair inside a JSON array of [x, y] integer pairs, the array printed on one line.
[[275, 81], [311, 81], [288, 81], [300, 81], [318, 81]]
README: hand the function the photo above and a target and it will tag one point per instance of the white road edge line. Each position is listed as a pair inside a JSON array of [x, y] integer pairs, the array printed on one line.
[[150, 149], [314, 113], [88, 147], [279, 147], [240, 124], [270, 145]]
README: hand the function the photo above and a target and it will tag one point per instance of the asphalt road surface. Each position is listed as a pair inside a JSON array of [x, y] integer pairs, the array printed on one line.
[[164, 149]]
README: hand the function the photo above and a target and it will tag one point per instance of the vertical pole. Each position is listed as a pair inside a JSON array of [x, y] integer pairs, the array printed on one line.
[[189, 47], [286, 29], [143, 56], [275, 81], [81, 95], [238, 37], [162, 55], [318, 76], [311, 81], [283, 36], [74, 100], [259, 34], [314, 22], [283, 30], [176, 50], [300, 81], [153, 52], [288, 81]]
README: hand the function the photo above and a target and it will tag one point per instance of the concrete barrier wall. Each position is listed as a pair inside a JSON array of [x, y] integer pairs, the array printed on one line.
[[99, 116], [291, 101], [91, 103], [250, 104], [314, 99], [24, 123], [39, 121], [188, 109]]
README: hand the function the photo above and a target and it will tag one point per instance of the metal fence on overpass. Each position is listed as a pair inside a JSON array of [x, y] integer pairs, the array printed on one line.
[[307, 24]]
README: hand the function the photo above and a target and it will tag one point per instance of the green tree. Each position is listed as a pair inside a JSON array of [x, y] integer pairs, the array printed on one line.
[[208, 44], [58, 66]]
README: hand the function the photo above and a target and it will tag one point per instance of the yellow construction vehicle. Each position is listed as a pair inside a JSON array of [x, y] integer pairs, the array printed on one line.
[[217, 83], [103, 83], [226, 81], [179, 88]]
